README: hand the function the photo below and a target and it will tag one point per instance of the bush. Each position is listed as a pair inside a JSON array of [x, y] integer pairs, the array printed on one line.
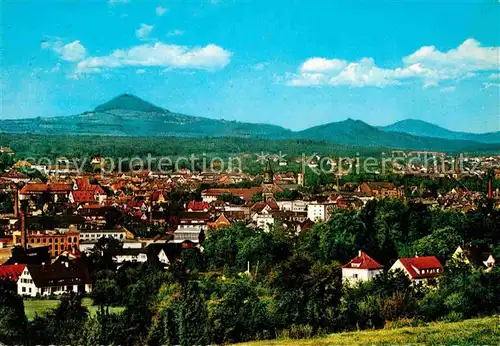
[[404, 322], [453, 317], [297, 331]]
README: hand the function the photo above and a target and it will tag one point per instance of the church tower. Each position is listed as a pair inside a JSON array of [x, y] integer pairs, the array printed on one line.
[[268, 173], [268, 183], [300, 178]]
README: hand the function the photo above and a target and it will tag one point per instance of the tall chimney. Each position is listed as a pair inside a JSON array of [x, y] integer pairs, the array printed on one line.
[[490, 186], [16, 201], [23, 230]]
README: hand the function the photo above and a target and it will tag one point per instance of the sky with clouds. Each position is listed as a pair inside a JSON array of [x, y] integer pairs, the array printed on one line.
[[292, 63]]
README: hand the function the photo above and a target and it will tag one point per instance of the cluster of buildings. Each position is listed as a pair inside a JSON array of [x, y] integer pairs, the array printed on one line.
[[421, 270], [52, 223]]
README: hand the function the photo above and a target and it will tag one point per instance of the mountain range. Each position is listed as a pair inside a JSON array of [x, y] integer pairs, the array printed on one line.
[[128, 115]]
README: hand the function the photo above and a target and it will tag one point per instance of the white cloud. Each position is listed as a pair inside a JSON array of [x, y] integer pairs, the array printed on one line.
[[140, 71], [469, 56], [175, 32], [322, 65], [73, 51], [143, 32], [426, 64], [160, 11], [357, 74], [210, 57], [307, 79]]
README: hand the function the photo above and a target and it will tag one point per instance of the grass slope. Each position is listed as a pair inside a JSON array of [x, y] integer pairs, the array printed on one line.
[[480, 331], [42, 306]]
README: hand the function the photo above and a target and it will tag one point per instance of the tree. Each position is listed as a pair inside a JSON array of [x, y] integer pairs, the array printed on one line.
[[12, 317], [191, 316], [441, 242], [237, 313], [62, 325], [306, 293], [101, 255]]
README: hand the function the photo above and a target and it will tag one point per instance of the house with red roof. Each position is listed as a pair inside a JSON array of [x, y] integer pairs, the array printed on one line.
[[11, 272], [420, 270], [81, 197], [221, 222], [197, 206], [15, 176], [361, 268]]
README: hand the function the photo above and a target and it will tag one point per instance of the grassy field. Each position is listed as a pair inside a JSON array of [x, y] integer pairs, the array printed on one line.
[[41, 306], [480, 331]]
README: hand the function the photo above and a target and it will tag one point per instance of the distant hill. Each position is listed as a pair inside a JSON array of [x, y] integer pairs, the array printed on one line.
[[423, 128], [131, 103], [128, 115], [359, 133]]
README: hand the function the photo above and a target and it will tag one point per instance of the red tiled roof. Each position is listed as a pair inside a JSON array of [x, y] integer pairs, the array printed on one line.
[[14, 174], [83, 196], [31, 188], [421, 263], [83, 183], [363, 261], [60, 187], [11, 271], [198, 206]]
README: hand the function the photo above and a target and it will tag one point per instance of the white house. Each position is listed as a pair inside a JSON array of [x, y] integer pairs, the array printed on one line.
[[264, 221], [420, 270], [361, 268], [130, 255], [119, 234], [189, 232], [88, 238], [57, 278], [317, 211], [297, 205]]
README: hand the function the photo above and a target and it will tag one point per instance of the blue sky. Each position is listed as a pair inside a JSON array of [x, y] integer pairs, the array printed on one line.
[[290, 63]]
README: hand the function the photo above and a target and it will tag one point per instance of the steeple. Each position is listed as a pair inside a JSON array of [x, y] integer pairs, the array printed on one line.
[[268, 173]]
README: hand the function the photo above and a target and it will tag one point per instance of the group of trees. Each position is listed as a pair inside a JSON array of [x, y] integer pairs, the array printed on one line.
[[248, 284]]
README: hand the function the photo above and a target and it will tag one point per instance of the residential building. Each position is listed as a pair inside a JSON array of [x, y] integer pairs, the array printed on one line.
[[296, 205], [420, 270], [11, 272], [361, 268], [57, 278], [479, 256], [191, 232], [319, 211], [379, 189]]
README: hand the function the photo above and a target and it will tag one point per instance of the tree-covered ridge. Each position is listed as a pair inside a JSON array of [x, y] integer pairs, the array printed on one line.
[[422, 128], [128, 115]]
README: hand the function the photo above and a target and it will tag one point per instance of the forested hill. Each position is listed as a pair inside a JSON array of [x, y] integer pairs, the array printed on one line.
[[128, 115], [422, 128]]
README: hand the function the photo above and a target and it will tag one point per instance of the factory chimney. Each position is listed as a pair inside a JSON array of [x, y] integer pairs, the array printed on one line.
[[23, 230], [490, 185]]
